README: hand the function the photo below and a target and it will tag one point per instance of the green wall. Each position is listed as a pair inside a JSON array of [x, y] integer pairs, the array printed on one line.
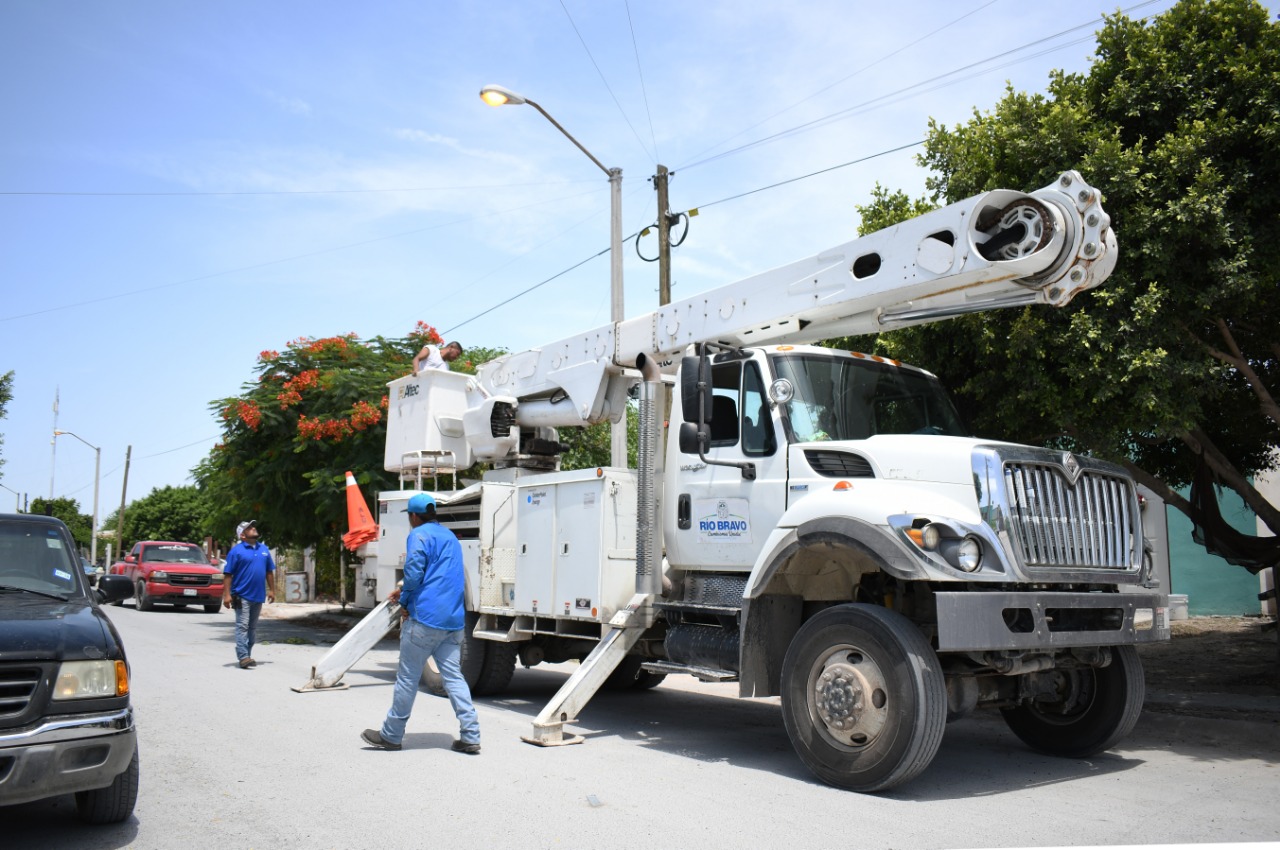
[[1211, 584]]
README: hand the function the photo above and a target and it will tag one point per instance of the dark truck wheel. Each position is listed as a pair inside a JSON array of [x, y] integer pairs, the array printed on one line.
[[114, 803], [1094, 708], [863, 697], [498, 667], [141, 598], [629, 676], [212, 607]]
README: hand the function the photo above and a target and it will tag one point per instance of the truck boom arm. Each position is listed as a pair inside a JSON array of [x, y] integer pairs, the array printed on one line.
[[999, 249]]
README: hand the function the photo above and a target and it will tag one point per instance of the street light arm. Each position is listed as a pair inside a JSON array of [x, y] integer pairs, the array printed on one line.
[[569, 136]]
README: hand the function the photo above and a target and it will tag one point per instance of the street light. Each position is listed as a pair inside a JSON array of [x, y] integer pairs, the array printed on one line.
[[500, 96], [97, 467], [17, 508]]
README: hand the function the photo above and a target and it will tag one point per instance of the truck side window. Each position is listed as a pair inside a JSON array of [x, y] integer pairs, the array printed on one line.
[[757, 427], [725, 378]]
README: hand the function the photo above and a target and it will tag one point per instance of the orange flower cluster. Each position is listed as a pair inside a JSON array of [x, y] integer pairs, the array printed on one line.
[[293, 387], [424, 333], [363, 415], [249, 414], [323, 429], [268, 354]]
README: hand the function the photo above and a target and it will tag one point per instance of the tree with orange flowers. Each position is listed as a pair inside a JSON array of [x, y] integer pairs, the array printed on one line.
[[312, 411]]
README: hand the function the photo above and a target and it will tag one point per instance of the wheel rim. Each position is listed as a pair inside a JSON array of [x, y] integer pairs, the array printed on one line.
[[1076, 693], [848, 697]]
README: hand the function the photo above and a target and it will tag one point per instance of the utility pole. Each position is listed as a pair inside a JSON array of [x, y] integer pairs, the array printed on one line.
[[124, 488], [660, 182]]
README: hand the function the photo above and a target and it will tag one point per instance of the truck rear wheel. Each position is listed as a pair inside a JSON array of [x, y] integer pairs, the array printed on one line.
[[499, 665], [1093, 710], [629, 676], [471, 661], [863, 697]]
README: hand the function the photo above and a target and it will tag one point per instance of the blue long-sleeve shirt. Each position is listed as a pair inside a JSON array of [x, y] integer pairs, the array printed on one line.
[[434, 587]]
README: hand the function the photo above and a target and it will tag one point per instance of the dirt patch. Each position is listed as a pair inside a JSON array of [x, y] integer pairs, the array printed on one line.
[[1218, 655]]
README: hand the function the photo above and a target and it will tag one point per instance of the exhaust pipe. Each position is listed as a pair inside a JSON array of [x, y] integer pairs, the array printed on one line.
[[649, 479]]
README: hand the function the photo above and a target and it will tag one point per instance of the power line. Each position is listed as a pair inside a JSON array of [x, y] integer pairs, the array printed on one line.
[[699, 207], [603, 80], [643, 90], [919, 87]]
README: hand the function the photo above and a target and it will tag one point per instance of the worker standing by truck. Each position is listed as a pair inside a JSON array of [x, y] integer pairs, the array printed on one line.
[[246, 585], [433, 602]]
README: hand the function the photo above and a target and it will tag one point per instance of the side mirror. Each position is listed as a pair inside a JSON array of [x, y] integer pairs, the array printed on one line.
[[114, 588], [128, 559], [693, 370], [689, 438]]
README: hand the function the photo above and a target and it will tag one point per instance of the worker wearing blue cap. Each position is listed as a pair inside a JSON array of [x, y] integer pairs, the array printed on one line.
[[433, 616]]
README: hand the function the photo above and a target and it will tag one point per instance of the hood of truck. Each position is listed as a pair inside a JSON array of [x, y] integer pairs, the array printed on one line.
[[914, 457], [38, 628]]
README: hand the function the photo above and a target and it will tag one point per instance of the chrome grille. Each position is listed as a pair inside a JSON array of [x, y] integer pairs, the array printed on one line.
[[188, 580], [17, 687], [1091, 523]]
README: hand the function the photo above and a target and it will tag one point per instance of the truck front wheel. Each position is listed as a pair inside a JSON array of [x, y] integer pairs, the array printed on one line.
[[140, 596], [1091, 710], [863, 697], [114, 803]]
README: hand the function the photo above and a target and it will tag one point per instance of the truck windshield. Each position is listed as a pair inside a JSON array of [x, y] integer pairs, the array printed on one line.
[[173, 553], [845, 398], [36, 557]]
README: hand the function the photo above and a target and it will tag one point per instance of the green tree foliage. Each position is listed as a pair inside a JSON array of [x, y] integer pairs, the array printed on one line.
[[1172, 364], [166, 513], [6, 395], [313, 411], [67, 510]]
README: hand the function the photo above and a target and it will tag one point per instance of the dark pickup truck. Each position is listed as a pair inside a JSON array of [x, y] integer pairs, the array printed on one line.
[[66, 722]]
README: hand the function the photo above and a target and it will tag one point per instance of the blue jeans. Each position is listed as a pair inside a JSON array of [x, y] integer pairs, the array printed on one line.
[[417, 644], [246, 626]]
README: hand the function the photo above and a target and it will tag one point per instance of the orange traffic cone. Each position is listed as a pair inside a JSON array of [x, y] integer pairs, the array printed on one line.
[[362, 528]]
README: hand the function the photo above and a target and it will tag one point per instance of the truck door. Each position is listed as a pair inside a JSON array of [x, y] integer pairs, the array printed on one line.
[[721, 518]]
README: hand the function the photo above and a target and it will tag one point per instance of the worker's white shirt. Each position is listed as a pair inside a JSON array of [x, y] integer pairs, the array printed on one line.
[[433, 360]]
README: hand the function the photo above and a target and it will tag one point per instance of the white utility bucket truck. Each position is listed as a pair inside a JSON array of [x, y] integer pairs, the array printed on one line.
[[822, 527]]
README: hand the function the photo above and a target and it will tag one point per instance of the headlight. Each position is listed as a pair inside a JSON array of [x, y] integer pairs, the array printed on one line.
[[969, 554], [216, 578], [89, 679], [159, 575]]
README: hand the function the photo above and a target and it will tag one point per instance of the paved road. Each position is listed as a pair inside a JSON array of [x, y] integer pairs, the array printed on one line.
[[233, 758]]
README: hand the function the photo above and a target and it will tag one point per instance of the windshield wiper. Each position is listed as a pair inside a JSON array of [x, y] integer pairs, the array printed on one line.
[[57, 596]]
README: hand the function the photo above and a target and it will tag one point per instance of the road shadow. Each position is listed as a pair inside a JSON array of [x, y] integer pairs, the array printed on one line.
[[51, 824]]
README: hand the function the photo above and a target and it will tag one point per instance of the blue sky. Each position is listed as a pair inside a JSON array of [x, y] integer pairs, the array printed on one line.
[[183, 185]]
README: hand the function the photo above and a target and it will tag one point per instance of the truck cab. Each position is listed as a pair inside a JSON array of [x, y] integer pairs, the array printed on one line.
[[66, 721]]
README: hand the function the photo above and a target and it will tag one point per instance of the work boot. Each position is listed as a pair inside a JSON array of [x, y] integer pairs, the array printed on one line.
[[464, 747], [374, 738], [246, 663]]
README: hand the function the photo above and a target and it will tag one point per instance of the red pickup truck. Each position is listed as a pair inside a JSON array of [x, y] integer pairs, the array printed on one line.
[[172, 573]]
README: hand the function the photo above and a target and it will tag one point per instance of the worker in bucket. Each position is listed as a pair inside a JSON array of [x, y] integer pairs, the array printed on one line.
[[433, 357], [431, 627], [246, 584]]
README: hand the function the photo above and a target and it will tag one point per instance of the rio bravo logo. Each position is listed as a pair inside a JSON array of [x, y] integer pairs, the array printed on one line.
[[726, 524]]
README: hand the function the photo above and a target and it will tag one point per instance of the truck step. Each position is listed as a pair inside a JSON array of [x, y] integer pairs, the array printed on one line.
[[706, 674], [490, 634]]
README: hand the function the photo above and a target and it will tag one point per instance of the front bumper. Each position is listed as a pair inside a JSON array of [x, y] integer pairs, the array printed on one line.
[[972, 621], [65, 754], [161, 592]]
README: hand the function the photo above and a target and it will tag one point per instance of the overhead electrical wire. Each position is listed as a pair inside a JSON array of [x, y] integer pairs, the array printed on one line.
[[640, 71], [300, 191], [606, 82]]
